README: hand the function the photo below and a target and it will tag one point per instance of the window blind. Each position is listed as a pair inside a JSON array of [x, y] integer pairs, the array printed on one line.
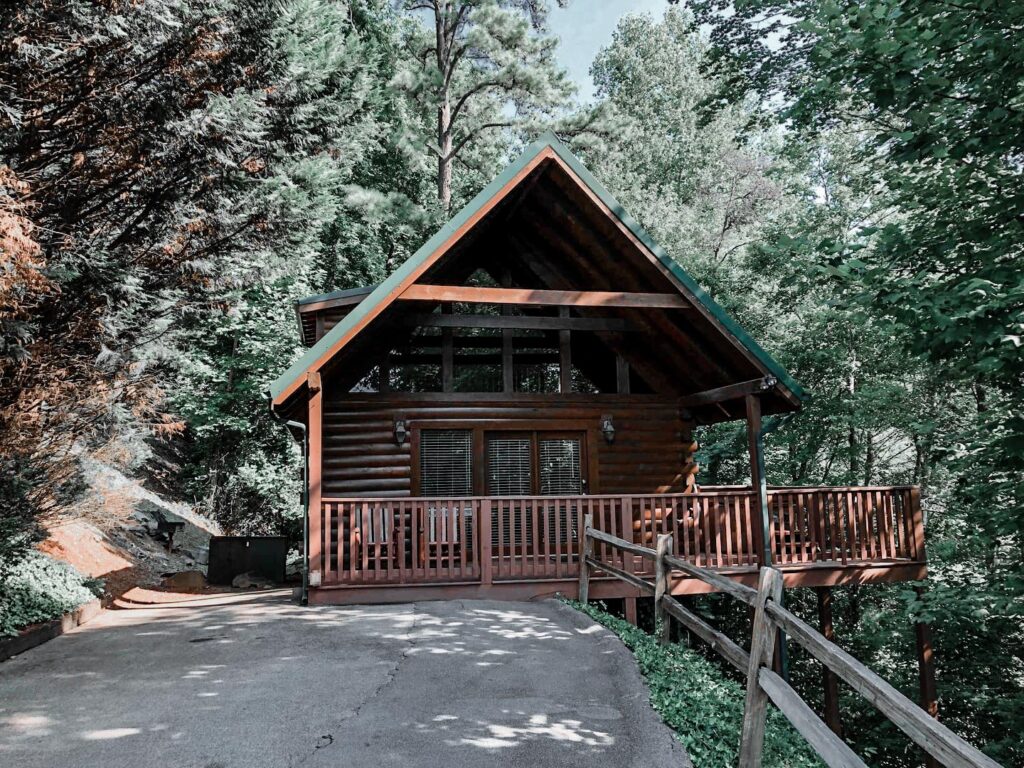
[[560, 467], [446, 457], [509, 466]]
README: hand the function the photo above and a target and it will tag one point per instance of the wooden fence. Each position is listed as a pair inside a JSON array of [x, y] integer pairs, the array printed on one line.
[[764, 685]]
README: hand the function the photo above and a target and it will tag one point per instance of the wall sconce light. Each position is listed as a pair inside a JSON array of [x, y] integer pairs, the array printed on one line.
[[400, 432], [608, 429]]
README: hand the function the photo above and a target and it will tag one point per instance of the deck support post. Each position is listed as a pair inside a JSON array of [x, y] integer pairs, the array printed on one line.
[[661, 588], [830, 683], [926, 669], [630, 609], [315, 437], [588, 551]]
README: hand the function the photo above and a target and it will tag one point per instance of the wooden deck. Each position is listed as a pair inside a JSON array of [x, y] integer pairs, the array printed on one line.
[[401, 549]]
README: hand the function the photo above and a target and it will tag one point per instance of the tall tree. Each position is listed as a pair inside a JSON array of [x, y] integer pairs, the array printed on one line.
[[934, 88], [480, 66]]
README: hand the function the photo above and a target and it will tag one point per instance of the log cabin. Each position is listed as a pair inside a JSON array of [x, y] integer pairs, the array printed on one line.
[[538, 359]]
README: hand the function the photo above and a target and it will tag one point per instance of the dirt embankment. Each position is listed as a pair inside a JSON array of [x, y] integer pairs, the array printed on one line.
[[129, 536]]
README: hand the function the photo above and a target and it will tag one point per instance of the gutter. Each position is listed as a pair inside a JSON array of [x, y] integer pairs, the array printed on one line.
[[304, 598]]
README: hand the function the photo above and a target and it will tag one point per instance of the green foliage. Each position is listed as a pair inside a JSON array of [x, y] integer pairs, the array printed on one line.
[[42, 589], [701, 703], [853, 262]]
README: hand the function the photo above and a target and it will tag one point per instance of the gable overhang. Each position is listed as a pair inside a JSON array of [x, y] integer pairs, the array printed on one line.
[[546, 150]]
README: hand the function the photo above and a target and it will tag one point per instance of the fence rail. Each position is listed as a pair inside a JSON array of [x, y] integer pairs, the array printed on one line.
[[763, 685], [366, 541]]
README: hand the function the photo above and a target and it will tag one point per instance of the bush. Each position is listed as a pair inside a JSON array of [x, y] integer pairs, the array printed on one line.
[[700, 703], [40, 589]]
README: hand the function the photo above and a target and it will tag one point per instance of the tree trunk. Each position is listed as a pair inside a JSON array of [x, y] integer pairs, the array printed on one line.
[[869, 459], [444, 107], [852, 436], [444, 160]]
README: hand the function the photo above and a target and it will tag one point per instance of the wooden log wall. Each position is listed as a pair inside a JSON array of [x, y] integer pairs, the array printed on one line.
[[362, 458]]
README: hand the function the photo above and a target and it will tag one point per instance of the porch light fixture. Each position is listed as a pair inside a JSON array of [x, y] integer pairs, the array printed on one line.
[[400, 432], [608, 429]]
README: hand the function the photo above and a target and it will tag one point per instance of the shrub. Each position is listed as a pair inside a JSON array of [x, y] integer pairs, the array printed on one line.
[[700, 703], [41, 588]]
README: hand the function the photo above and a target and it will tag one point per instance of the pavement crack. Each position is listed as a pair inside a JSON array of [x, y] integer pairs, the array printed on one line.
[[329, 738], [393, 673]]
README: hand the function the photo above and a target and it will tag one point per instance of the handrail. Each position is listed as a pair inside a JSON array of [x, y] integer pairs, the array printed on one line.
[[763, 684]]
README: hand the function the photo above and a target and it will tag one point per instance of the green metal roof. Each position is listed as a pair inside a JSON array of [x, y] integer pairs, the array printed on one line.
[[545, 141], [345, 293]]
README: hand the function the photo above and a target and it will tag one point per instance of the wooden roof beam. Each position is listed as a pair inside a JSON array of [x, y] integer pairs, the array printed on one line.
[[728, 392], [528, 322], [531, 296]]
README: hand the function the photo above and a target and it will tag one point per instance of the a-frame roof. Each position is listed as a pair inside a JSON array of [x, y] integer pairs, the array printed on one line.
[[546, 149]]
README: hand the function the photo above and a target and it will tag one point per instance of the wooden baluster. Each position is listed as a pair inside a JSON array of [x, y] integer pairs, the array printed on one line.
[[400, 550], [882, 513], [452, 538], [486, 540], [559, 568], [547, 534], [729, 532], [537, 538], [716, 521], [699, 511], [751, 546], [353, 551], [460, 518], [367, 538]]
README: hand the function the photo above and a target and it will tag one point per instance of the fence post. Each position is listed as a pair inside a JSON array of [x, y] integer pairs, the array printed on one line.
[[762, 647], [661, 586], [588, 551]]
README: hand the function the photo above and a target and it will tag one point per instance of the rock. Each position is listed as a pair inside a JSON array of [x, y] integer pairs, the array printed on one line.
[[185, 580], [251, 580]]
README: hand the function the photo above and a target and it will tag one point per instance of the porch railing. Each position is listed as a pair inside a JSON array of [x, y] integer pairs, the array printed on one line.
[[366, 541]]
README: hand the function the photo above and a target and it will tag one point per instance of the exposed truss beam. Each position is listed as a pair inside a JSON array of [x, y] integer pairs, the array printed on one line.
[[526, 322], [729, 392], [531, 296]]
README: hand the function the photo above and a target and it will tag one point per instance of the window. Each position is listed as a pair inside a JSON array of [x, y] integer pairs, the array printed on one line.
[[535, 463], [446, 462], [560, 468], [510, 466]]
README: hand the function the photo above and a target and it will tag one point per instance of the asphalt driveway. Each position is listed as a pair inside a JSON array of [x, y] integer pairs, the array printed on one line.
[[254, 680]]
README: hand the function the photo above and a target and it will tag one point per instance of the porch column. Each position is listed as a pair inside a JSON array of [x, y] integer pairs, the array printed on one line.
[[758, 484], [315, 437], [830, 683], [926, 668]]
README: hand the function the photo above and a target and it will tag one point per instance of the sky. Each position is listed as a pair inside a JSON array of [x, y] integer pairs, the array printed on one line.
[[586, 26]]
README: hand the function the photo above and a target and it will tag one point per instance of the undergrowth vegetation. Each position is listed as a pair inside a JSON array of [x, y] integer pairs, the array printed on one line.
[[40, 590], [700, 703]]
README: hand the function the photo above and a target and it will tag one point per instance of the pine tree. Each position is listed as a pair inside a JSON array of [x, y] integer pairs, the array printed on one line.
[[480, 66]]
